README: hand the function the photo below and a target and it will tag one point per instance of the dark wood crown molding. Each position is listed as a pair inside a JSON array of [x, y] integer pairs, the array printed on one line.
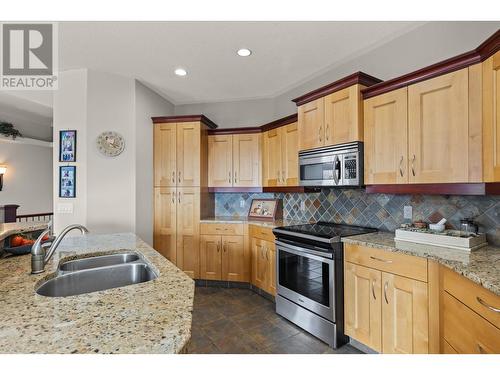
[[353, 79], [279, 123], [227, 131], [185, 118], [437, 189], [256, 129], [481, 53]]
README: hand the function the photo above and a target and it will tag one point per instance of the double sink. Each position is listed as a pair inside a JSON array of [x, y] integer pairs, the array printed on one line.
[[97, 273]]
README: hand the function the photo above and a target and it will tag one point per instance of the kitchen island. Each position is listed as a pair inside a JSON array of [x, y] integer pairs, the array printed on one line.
[[150, 317]]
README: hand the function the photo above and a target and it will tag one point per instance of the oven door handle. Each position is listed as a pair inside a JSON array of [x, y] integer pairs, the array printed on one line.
[[313, 254]]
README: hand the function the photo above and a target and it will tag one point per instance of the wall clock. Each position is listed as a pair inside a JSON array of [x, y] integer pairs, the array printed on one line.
[[110, 143]]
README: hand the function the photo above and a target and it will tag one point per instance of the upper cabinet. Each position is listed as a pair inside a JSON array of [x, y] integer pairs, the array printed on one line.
[[386, 138], [344, 116], [312, 124], [438, 129], [177, 153], [491, 118], [280, 161], [333, 114], [234, 160]]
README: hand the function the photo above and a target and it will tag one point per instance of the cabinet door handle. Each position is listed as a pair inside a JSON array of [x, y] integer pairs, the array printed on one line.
[[381, 260], [279, 176], [400, 166], [413, 165], [326, 131], [319, 133], [224, 247], [173, 198], [179, 176], [173, 176], [283, 177], [373, 290], [494, 309], [385, 292], [229, 177], [218, 246], [179, 195], [235, 177]]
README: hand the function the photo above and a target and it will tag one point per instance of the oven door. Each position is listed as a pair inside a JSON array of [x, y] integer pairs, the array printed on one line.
[[320, 170], [305, 277]]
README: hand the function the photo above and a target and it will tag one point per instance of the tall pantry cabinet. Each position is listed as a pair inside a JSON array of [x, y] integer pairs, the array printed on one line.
[[180, 188]]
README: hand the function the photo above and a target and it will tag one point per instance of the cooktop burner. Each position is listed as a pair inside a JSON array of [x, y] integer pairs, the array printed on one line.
[[323, 230]]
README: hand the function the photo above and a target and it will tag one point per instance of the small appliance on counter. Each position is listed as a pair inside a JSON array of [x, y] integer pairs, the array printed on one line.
[[466, 239], [310, 277]]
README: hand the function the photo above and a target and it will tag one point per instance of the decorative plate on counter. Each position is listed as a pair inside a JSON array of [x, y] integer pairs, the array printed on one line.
[[110, 143]]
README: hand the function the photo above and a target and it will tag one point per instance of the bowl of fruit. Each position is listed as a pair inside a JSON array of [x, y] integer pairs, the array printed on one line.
[[19, 244]]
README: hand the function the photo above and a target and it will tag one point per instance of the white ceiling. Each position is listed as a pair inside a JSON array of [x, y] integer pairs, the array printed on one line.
[[284, 53]]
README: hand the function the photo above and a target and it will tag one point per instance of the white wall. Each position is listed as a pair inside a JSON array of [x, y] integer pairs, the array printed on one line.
[[70, 112], [147, 104], [114, 194], [28, 181]]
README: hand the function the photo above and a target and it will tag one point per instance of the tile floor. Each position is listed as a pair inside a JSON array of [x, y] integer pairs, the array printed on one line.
[[239, 321]]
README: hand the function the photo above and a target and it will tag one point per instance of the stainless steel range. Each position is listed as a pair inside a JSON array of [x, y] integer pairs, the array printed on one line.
[[310, 277]]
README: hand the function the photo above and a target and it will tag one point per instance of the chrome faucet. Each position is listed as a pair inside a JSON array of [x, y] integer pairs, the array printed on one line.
[[39, 257]]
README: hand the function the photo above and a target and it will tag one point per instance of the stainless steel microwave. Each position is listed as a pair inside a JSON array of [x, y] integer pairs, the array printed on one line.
[[339, 165]]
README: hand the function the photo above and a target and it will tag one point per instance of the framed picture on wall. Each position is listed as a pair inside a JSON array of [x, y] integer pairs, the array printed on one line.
[[67, 145], [266, 209], [67, 181]]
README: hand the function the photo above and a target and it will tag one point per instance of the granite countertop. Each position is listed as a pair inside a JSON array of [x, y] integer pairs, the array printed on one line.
[[246, 220], [151, 317], [482, 266], [7, 229]]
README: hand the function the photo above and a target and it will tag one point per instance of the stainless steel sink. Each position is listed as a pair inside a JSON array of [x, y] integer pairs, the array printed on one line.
[[96, 279], [98, 261]]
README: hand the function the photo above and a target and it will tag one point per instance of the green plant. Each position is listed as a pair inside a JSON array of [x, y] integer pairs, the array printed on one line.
[[8, 130]]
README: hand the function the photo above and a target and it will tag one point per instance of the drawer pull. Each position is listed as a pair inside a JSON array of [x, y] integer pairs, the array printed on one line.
[[381, 260], [373, 290], [385, 292], [494, 309]]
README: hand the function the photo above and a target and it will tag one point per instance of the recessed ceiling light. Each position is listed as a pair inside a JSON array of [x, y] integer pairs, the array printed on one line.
[[180, 72], [244, 52]]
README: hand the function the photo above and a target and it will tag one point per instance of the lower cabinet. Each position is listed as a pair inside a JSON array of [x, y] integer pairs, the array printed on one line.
[[224, 256], [384, 310], [263, 258], [176, 226], [470, 316]]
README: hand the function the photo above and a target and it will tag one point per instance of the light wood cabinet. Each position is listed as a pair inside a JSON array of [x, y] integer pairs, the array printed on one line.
[[210, 257], [246, 160], [344, 116], [165, 222], [165, 156], [311, 120], [177, 148], [383, 309], [234, 160], [363, 311], [280, 158], [220, 160], [180, 159], [188, 219], [404, 315], [386, 138], [263, 259], [438, 129], [235, 262], [491, 118], [223, 257]]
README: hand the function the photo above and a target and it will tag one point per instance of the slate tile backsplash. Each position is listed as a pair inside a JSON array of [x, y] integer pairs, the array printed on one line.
[[382, 211]]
